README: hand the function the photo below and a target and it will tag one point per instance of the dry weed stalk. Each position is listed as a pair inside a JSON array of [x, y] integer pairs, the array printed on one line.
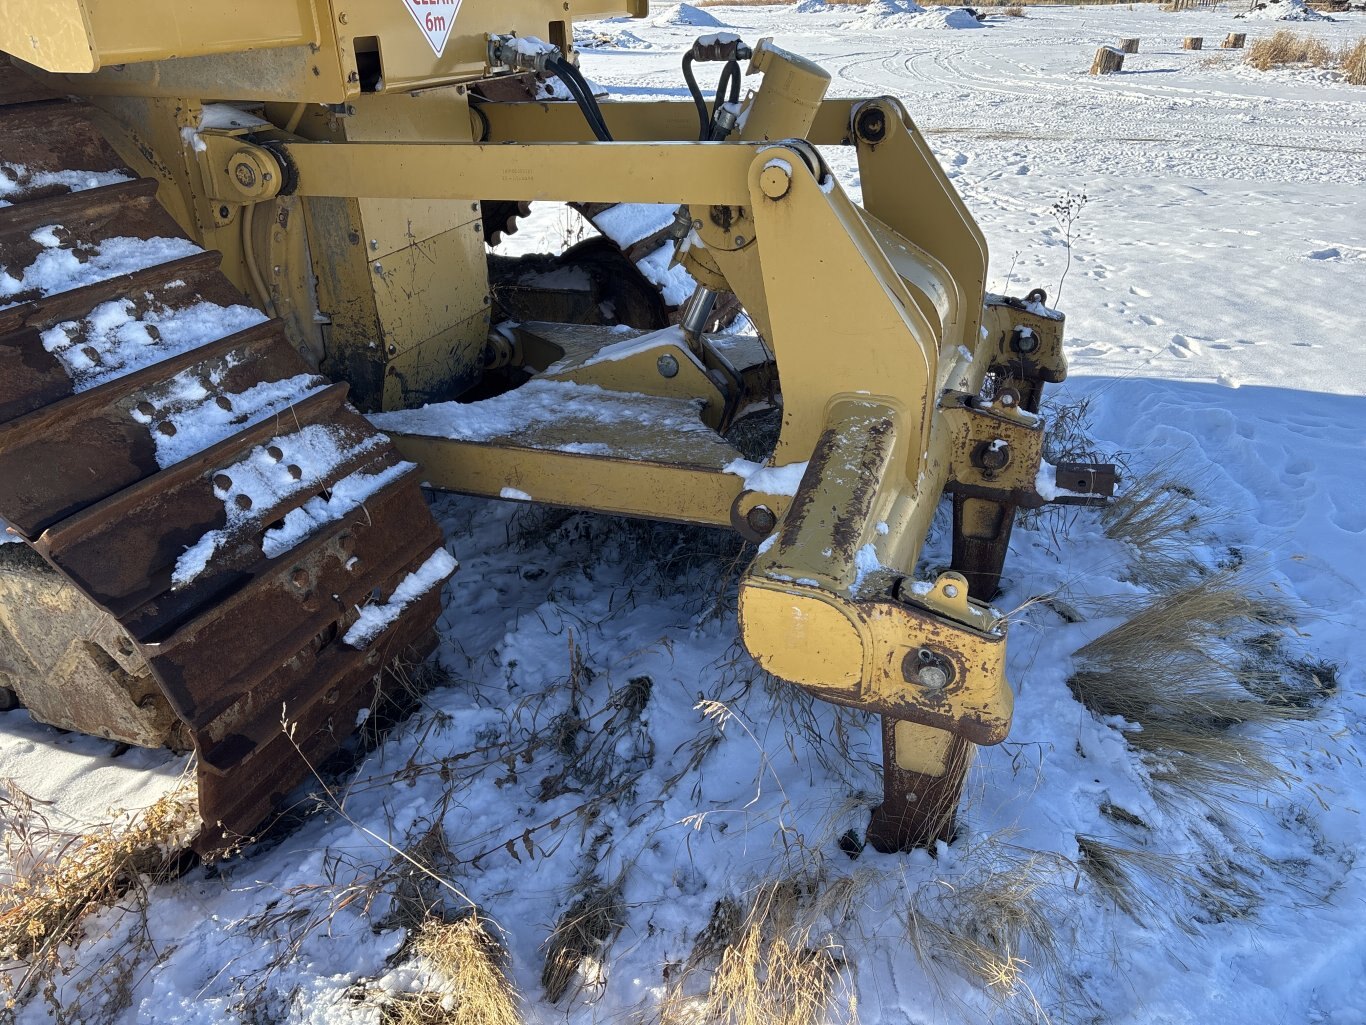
[[469, 964], [775, 962], [990, 925], [55, 878], [1170, 670]]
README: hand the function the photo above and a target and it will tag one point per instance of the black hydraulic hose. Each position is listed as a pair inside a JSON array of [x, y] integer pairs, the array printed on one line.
[[590, 99], [578, 89], [583, 96], [703, 117], [729, 83]]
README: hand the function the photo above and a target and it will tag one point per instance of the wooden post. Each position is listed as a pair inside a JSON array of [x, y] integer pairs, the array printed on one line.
[[1128, 45], [1235, 40], [1108, 61], [1193, 43]]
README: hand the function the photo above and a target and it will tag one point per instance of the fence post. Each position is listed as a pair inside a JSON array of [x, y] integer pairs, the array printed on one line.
[[1235, 40], [1193, 43], [1128, 45]]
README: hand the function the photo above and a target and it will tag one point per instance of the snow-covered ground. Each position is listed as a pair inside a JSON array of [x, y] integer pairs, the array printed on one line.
[[603, 730]]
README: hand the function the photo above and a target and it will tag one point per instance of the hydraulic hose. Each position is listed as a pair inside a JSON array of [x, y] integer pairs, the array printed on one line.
[[583, 96], [729, 84], [703, 116]]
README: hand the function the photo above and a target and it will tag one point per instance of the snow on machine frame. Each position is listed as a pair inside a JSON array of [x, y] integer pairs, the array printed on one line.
[[223, 553]]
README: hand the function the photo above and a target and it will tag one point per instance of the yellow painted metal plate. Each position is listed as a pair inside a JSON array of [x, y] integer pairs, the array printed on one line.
[[81, 36]]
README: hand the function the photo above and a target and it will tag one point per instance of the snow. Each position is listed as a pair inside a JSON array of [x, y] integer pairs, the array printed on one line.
[[628, 223], [1283, 10], [688, 16], [672, 279], [113, 340], [287, 465], [771, 480], [373, 620], [542, 402], [16, 181], [1211, 325], [56, 268]]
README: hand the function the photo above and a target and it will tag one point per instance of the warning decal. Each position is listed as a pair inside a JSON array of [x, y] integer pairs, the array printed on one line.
[[435, 18]]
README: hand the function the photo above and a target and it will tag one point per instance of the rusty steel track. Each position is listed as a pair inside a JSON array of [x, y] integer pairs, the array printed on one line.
[[116, 469]]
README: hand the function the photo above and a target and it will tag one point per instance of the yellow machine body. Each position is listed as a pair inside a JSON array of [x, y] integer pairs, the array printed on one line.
[[345, 188]]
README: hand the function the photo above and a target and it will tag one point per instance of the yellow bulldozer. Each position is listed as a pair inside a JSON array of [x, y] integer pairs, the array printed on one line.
[[248, 310]]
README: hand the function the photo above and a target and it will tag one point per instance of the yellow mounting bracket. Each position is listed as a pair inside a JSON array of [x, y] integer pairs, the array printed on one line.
[[996, 449]]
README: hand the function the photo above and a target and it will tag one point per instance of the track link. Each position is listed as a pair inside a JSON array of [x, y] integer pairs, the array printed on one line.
[[211, 515]]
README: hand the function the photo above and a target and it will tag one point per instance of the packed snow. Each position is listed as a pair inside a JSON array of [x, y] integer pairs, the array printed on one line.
[[1283, 10], [1210, 284]]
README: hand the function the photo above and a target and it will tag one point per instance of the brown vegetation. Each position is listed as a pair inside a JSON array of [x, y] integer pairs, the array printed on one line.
[[1291, 49]]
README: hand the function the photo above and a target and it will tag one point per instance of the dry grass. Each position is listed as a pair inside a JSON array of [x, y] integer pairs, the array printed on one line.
[[1172, 671], [1291, 49], [53, 879], [775, 961], [1156, 513], [576, 950], [1352, 61], [468, 966], [1012, 12], [1285, 47], [991, 925], [1126, 876]]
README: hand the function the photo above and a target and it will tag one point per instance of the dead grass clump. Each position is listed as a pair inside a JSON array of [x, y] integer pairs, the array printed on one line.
[[1283, 48], [1126, 876], [576, 950], [468, 967], [991, 924], [1012, 12], [1156, 514], [1352, 61], [53, 879], [775, 962], [1172, 671]]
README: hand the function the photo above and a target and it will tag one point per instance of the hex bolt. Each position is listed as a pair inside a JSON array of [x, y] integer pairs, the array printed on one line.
[[223, 402], [950, 591], [299, 578], [761, 520], [374, 245], [295, 471], [932, 677], [242, 502], [222, 482], [667, 366], [167, 428], [1023, 340], [739, 240], [995, 455], [146, 408], [275, 452]]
